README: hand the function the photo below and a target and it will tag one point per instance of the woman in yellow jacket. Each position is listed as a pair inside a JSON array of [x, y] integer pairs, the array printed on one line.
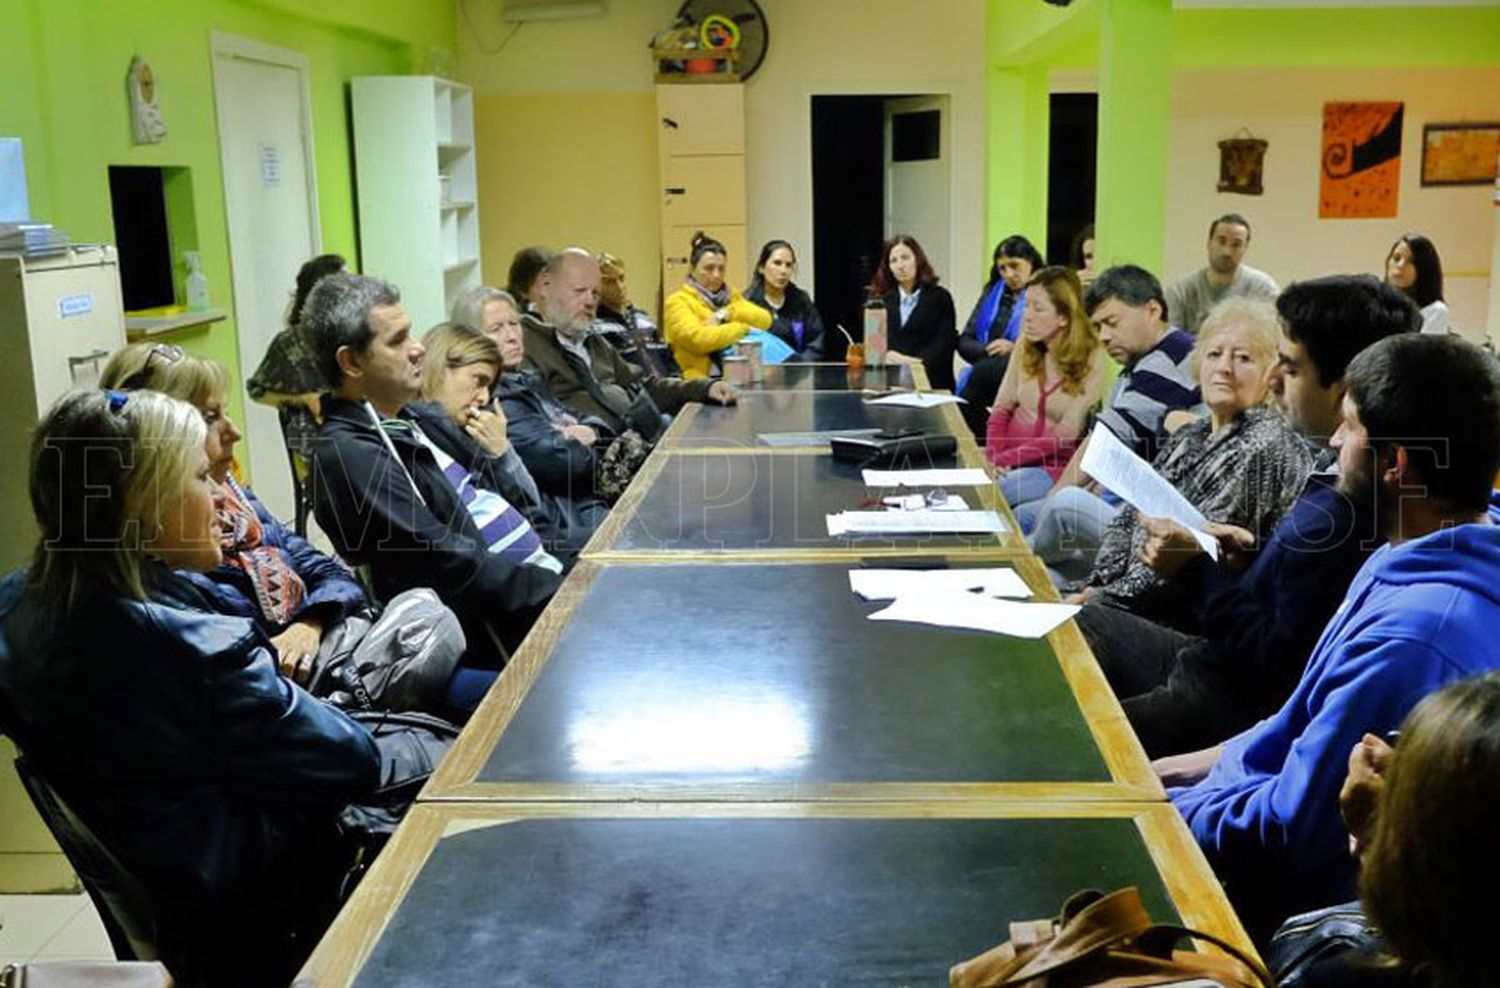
[[705, 315]]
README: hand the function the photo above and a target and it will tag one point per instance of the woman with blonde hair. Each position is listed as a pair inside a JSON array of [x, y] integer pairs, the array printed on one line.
[[308, 604], [460, 370], [1241, 465], [1047, 394], [214, 781], [705, 315]]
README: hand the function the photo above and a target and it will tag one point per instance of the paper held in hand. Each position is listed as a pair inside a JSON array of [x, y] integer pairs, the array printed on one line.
[[1116, 466]]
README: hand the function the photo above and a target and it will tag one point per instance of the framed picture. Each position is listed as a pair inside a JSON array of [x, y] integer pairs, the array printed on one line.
[[1460, 153]]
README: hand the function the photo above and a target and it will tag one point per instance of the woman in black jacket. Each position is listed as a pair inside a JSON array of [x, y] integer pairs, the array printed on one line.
[[794, 318], [994, 327], [213, 780], [919, 314]]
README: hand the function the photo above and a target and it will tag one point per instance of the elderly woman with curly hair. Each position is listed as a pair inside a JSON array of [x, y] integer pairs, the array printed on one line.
[[1242, 465]]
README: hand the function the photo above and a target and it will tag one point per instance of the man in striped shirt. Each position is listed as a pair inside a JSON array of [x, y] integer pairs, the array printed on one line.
[[1127, 306], [407, 492]]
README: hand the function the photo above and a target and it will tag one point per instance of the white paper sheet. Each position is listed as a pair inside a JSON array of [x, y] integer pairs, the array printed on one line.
[[889, 584], [916, 399], [1002, 617], [924, 522], [960, 477], [1118, 468]]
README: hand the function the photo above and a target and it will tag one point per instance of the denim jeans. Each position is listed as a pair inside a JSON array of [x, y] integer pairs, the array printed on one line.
[[1068, 529], [1024, 488]]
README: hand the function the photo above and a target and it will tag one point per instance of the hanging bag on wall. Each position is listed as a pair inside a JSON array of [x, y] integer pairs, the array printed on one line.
[[1105, 941]]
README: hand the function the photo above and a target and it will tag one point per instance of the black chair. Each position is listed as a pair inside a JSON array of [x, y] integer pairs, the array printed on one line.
[[121, 900], [296, 437]]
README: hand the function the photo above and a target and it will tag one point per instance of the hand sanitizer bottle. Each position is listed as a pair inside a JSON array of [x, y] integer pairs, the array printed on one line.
[[196, 285]]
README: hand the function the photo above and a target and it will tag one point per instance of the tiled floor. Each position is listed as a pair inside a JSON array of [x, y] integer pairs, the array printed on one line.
[[50, 927]]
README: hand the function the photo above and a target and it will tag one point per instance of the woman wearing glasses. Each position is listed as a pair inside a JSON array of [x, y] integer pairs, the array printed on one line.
[[307, 603], [214, 781]]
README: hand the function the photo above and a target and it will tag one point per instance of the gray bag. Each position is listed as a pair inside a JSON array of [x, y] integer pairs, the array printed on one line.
[[400, 659]]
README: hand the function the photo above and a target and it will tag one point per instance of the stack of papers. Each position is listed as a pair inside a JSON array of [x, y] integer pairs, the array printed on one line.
[[962, 477], [975, 613], [927, 521], [32, 238], [1116, 466], [890, 584], [916, 399]]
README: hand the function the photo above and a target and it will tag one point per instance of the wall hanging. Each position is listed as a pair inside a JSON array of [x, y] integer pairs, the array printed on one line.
[[1460, 153], [1361, 166], [146, 125], [1242, 161]]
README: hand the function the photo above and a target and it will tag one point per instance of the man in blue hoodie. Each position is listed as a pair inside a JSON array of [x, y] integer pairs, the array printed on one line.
[[1240, 647], [1421, 419]]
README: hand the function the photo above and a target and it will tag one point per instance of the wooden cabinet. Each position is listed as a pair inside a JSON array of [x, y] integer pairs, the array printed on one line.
[[418, 199], [701, 151]]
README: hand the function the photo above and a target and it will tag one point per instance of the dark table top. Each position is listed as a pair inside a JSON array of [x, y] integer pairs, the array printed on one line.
[[738, 677], [796, 412], [708, 501], [682, 901], [831, 377]]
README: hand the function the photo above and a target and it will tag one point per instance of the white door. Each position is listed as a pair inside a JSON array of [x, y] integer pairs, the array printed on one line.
[[918, 185], [265, 147]]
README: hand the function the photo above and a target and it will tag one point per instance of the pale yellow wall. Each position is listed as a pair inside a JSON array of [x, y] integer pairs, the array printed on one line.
[[1285, 107], [566, 124], [564, 118]]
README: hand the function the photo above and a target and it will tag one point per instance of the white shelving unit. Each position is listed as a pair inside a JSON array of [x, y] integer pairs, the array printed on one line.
[[418, 197]]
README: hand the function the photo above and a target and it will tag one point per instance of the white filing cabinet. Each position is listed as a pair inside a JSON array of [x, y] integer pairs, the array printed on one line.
[[60, 319]]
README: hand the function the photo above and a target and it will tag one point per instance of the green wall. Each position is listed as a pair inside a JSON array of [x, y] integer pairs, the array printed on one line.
[[62, 90]]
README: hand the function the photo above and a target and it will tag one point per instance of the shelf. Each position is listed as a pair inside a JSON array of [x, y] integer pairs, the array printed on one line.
[[457, 205], [449, 147], [138, 327], [457, 266], [696, 78]]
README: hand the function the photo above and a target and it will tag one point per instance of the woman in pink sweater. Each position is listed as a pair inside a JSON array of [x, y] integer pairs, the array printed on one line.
[[1047, 395]]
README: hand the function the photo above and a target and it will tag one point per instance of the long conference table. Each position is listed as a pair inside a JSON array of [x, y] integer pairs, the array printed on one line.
[[705, 765]]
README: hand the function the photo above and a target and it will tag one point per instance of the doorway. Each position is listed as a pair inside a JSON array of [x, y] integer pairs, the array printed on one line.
[[271, 205], [881, 165], [1073, 142]]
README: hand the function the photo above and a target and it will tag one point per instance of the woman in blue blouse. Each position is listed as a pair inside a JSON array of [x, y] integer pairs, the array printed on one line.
[[994, 326]]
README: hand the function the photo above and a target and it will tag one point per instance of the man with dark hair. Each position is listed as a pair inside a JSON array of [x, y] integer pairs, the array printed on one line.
[[402, 489], [1252, 634], [1421, 427], [1125, 305], [1191, 297]]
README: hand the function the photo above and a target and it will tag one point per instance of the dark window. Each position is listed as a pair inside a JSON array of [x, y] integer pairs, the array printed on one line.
[[916, 136]]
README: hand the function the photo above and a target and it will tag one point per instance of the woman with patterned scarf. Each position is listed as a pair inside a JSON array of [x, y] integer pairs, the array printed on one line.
[[309, 604], [705, 315]]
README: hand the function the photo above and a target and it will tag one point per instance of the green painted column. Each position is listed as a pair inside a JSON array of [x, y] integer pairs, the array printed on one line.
[[1135, 95], [1019, 118]]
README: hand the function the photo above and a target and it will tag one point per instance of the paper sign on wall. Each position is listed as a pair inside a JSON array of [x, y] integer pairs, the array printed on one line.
[[1361, 167], [270, 165]]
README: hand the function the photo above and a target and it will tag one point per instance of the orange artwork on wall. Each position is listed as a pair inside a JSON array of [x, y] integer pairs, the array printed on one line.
[[1361, 169]]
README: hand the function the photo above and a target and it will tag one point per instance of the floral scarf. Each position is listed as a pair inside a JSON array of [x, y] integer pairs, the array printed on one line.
[[279, 591]]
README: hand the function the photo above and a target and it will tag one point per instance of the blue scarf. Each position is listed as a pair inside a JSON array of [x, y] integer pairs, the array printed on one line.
[[991, 308]]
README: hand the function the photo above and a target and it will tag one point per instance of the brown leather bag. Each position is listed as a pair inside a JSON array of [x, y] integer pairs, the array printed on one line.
[[1105, 941]]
